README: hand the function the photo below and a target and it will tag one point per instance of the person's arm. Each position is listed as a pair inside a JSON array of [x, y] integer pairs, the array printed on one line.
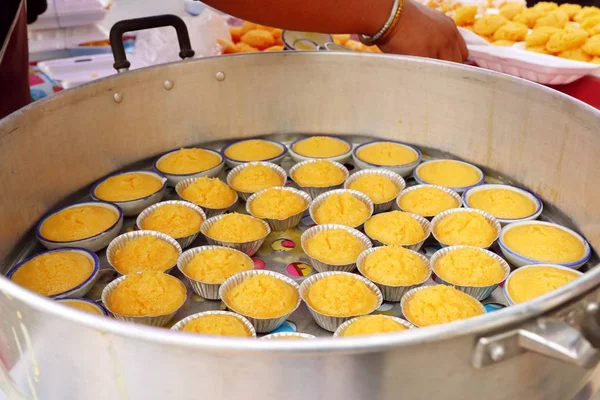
[[420, 30]]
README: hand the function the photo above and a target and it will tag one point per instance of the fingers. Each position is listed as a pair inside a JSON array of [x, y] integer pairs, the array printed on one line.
[[450, 53], [462, 46]]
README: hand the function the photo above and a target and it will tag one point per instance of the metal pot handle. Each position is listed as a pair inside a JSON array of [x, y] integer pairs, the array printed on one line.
[[551, 337], [137, 24]]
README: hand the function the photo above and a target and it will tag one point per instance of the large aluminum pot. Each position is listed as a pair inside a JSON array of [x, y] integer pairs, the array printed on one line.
[[530, 134]]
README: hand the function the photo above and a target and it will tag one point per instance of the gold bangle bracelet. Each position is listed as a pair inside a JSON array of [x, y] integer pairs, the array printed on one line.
[[387, 28]]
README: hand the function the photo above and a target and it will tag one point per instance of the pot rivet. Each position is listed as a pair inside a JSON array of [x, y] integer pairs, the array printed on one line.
[[168, 85], [496, 352], [118, 97], [220, 76]]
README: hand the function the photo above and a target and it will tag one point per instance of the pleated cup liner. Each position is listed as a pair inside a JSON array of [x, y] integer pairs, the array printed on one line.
[[390, 292], [237, 170], [509, 299], [478, 292], [250, 248], [425, 224], [181, 324], [288, 335], [279, 225], [120, 241], [406, 191], [408, 296], [489, 218], [204, 289], [210, 212], [392, 176], [330, 322], [355, 193], [315, 191], [339, 332], [154, 320], [261, 325], [184, 241], [322, 266]]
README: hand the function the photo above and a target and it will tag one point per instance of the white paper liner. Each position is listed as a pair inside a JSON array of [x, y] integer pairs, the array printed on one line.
[[250, 248], [451, 192], [184, 241], [329, 322], [456, 189], [179, 325], [210, 212], [478, 292], [425, 224], [339, 332], [237, 170], [296, 335], [120, 241], [155, 320], [322, 266], [355, 193], [489, 218], [261, 325], [280, 225], [204, 289], [392, 176], [315, 191], [406, 298], [389, 292]]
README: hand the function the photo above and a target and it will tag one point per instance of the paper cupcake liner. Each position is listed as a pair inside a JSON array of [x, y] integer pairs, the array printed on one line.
[[456, 189], [210, 212], [179, 325], [174, 179], [98, 306], [120, 241], [507, 282], [425, 224], [389, 292], [406, 298], [451, 192], [539, 206], [403, 170], [237, 170], [315, 191], [262, 325], [329, 322], [134, 206], [341, 158], [203, 289], [519, 260], [394, 177], [280, 335], [184, 241], [250, 248], [489, 218], [279, 225], [478, 292], [356, 194], [322, 266], [339, 332], [93, 243], [155, 320]]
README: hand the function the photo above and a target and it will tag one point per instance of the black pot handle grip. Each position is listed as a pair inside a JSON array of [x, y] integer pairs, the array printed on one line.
[[137, 24]]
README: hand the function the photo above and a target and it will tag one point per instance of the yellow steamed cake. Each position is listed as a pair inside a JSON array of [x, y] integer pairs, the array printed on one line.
[[341, 296], [83, 306], [395, 266], [531, 282], [503, 203], [217, 325], [341, 208], [237, 228], [277, 204], [334, 246], [217, 265], [465, 228], [253, 150], [387, 153], [129, 186], [395, 228], [319, 174], [188, 161], [145, 253], [321, 147], [544, 243], [77, 223], [175, 220], [210, 193], [262, 296], [449, 173], [427, 201], [254, 178], [378, 187], [53, 273], [371, 325], [469, 267]]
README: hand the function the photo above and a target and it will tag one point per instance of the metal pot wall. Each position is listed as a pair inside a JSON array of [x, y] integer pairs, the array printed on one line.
[[529, 134]]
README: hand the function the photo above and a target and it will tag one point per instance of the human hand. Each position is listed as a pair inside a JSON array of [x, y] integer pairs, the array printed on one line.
[[425, 32]]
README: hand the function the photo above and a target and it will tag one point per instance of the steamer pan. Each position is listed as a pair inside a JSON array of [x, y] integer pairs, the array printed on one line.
[[529, 134]]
